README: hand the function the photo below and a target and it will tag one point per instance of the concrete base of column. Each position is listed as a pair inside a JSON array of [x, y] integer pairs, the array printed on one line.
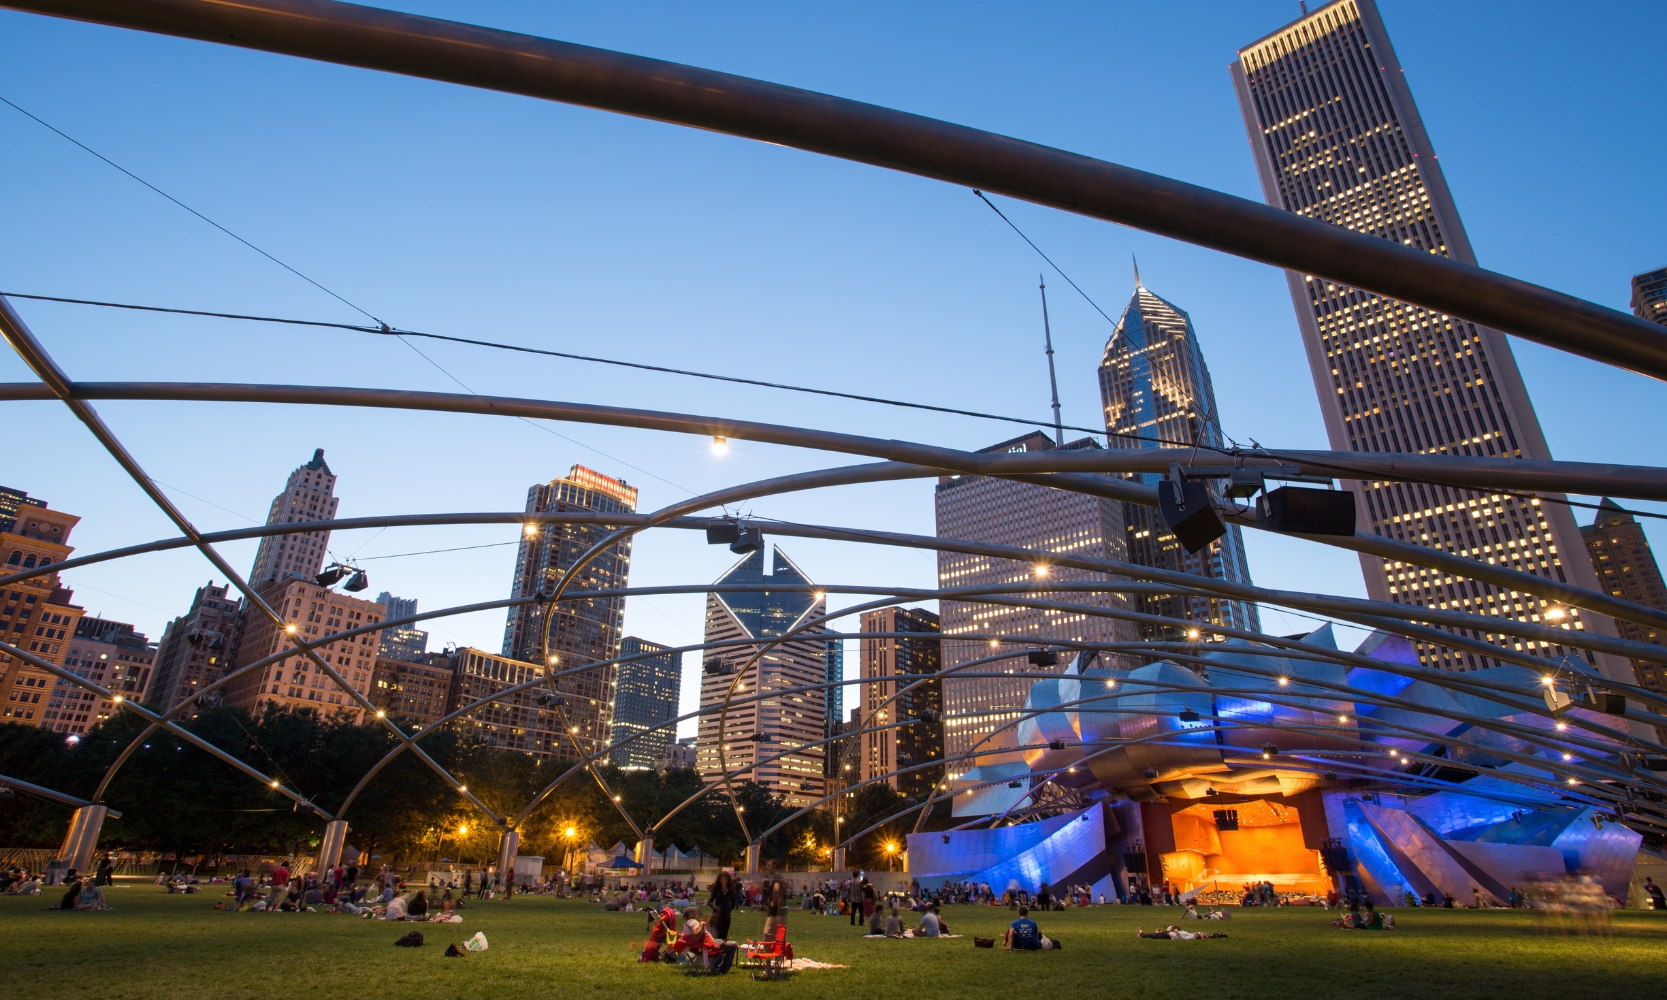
[[839, 859], [330, 846], [645, 855], [82, 838], [752, 859], [507, 848]]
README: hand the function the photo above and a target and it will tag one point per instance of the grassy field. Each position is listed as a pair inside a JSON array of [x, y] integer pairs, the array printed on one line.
[[152, 946]]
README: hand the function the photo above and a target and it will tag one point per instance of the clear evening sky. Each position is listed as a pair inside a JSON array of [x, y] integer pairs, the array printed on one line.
[[458, 211]]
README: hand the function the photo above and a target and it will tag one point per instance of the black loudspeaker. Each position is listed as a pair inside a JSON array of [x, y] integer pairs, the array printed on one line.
[[1309, 512], [1607, 702], [747, 540], [722, 533], [1193, 520], [1043, 658], [1227, 819]]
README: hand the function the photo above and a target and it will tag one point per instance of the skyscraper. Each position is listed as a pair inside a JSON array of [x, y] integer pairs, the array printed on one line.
[[582, 632], [645, 696], [36, 615], [1336, 137], [758, 729], [517, 722], [108, 653], [196, 647], [1003, 512], [1626, 568], [402, 642], [1155, 387], [11, 502], [1649, 295], [308, 496], [833, 704], [899, 684], [311, 614]]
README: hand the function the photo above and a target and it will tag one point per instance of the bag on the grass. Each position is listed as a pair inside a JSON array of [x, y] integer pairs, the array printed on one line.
[[412, 939], [476, 943], [724, 960], [979, 942], [453, 951]]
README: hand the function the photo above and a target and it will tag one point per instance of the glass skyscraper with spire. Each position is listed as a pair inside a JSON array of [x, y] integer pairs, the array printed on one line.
[[1155, 388]]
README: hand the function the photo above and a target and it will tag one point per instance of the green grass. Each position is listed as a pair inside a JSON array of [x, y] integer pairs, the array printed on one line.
[[153, 945]]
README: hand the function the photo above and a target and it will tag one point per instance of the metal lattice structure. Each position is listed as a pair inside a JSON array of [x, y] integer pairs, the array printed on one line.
[[1575, 753]]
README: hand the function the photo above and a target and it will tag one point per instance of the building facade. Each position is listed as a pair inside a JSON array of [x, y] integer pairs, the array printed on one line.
[[196, 647], [401, 642], [645, 695], [1626, 568], [1003, 512], [11, 503], [1155, 389], [516, 722], [680, 755], [581, 632], [900, 682], [308, 496], [418, 692], [757, 727], [109, 653], [37, 615], [1649, 295], [1336, 137], [312, 614]]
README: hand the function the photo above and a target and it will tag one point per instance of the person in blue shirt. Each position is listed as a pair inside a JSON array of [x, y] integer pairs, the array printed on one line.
[[1023, 934]]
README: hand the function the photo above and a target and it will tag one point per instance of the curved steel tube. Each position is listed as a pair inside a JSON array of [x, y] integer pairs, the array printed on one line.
[[542, 68]]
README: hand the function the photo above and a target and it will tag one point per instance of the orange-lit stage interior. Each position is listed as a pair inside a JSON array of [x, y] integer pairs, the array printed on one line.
[[1220, 846]]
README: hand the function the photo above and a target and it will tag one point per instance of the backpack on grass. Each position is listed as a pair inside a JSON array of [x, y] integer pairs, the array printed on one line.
[[412, 939]]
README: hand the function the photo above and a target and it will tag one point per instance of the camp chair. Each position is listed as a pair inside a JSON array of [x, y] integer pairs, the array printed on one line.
[[771, 956]]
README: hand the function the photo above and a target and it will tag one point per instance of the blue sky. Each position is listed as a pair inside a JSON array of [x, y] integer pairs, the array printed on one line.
[[479, 214]]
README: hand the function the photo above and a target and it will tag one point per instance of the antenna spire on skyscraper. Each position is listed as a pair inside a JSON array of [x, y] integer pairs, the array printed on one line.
[[1137, 285], [1053, 382]]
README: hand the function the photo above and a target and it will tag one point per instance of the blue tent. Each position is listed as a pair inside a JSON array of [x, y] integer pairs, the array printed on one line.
[[622, 862]]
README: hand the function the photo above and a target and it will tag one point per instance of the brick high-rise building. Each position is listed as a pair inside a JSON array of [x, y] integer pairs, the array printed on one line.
[[517, 722], [783, 724], [585, 631], [892, 670], [1626, 568], [1649, 295], [311, 613], [645, 695], [1003, 512], [308, 496], [36, 615], [414, 691], [1155, 388], [1336, 137], [196, 647], [112, 654]]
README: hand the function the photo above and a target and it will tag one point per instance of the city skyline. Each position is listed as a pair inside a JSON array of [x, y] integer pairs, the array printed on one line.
[[1242, 309]]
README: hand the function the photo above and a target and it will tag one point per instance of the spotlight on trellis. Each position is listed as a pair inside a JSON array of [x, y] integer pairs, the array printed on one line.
[[1188, 715], [331, 575], [1056, 744], [1043, 658], [716, 666], [723, 532], [1151, 774], [748, 539]]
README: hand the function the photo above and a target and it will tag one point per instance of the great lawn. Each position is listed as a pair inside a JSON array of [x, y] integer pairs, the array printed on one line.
[[155, 946]]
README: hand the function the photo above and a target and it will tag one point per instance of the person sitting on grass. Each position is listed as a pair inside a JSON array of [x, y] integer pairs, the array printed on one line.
[[876, 922], [932, 924], [30, 885], [417, 909], [1173, 933], [72, 895], [1022, 934], [91, 897], [894, 924], [395, 910]]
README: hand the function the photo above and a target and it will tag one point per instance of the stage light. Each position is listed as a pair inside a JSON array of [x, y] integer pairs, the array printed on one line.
[[720, 445]]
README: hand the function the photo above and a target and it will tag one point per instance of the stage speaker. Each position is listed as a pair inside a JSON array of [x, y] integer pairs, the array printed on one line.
[[1192, 519], [1227, 819], [722, 533], [1309, 512]]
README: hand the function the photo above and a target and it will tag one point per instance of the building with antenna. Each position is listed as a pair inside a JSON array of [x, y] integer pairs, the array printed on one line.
[[308, 496], [1155, 388], [1336, 137]]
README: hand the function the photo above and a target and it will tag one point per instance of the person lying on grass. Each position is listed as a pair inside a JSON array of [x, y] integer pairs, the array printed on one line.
[[1173, 933]]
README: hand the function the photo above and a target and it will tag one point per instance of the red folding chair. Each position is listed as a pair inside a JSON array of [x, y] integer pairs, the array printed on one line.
[[771, 957]]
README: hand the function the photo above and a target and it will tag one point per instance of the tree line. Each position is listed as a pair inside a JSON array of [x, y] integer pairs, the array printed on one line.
[[178, 799]]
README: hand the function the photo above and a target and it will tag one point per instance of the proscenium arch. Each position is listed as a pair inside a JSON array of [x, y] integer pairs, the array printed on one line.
[[487, 58]]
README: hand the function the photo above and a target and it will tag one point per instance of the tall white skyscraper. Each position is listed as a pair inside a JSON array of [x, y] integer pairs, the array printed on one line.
[[1336, 137], [309, 496]]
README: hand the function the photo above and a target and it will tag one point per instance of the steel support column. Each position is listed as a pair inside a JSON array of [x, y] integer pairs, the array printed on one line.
[[508, 845], [330, 846], [82, 838]]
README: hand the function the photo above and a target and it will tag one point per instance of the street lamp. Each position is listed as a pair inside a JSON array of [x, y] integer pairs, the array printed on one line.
[[891, 855]]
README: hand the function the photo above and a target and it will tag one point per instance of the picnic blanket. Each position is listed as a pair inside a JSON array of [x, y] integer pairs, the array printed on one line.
[[802, 964]]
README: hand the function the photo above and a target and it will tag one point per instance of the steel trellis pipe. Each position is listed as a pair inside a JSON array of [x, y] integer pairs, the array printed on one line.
[[474, 56]]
